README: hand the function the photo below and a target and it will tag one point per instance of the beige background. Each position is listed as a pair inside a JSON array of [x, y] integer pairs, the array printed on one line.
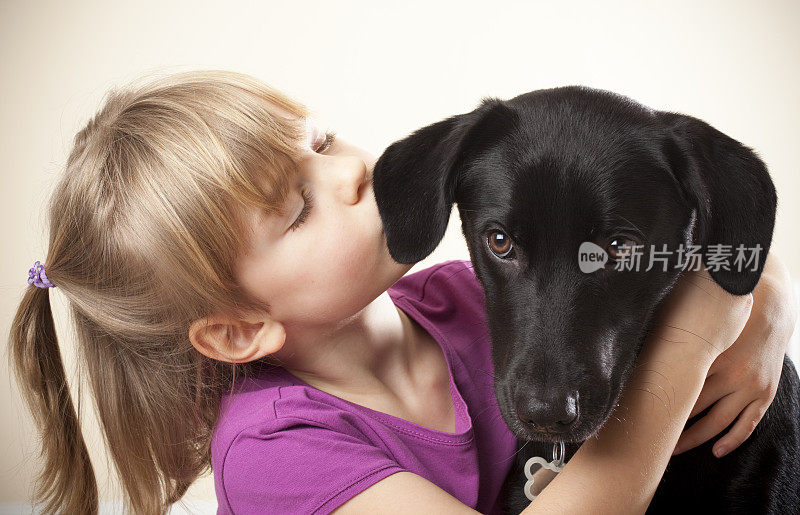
[[375, 73]]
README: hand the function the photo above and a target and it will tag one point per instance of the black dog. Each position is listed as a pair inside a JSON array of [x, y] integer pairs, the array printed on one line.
[[536, 176]]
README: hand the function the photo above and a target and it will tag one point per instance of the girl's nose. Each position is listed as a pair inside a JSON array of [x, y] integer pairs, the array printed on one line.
[[351, 178]]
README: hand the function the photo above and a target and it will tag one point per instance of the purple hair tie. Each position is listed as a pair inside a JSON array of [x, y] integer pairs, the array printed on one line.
[[37, 277]]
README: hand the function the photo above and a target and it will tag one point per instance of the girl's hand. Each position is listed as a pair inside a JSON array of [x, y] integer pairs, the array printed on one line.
[[743, 380]]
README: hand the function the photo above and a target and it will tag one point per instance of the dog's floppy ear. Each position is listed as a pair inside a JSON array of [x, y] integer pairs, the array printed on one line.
[[415, 177], [735, 200]]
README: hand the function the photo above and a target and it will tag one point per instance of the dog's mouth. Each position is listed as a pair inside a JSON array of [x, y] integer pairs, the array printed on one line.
[[583, 428], [594, 411]]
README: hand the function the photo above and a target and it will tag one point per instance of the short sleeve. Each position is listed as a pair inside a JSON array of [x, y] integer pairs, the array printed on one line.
[[300, 468]]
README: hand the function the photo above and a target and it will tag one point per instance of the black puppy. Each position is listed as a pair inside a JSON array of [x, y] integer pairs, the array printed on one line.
[[535, 178]]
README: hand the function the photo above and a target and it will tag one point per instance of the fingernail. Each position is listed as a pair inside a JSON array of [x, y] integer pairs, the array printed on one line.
[[720, 451]]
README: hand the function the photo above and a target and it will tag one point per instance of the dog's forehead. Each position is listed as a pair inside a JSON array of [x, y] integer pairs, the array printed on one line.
[[563, 164], [573, 159], [563, 185]]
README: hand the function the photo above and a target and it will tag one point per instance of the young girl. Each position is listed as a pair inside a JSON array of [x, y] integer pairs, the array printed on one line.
[[236, 307]]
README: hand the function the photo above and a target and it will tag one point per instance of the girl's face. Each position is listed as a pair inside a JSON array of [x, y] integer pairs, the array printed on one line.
[[327, 258]]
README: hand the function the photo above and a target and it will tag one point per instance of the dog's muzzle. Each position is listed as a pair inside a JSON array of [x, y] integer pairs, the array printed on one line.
[[548, 413]]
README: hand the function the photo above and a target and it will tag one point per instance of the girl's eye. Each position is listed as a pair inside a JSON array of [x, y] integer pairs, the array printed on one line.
[[330, 136], [308, 203]]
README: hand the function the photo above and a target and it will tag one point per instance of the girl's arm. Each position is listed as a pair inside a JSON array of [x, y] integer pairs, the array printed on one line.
[[618, 471], [743, 380]]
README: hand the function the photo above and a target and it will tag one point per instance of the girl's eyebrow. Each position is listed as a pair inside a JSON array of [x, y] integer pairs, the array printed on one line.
[[309, 124]]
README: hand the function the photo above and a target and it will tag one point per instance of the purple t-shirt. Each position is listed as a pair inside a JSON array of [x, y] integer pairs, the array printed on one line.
[[283, 446]]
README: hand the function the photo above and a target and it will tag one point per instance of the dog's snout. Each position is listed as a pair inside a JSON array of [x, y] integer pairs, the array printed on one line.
[[548, 413]]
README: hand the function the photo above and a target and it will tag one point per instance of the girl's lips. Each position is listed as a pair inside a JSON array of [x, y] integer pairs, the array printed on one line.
[[362, 189]]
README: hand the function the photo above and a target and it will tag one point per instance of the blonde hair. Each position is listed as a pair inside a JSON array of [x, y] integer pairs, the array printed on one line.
[[144, 226]]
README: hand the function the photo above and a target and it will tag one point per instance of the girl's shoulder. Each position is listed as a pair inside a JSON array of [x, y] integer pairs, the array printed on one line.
[[270, 401], [451, 283], [448, 301], [290, 448]]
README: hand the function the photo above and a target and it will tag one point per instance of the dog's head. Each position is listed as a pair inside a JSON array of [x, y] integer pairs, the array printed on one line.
[[541, 182]]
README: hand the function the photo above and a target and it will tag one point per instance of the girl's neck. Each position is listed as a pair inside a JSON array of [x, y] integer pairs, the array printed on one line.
[[373, 353]]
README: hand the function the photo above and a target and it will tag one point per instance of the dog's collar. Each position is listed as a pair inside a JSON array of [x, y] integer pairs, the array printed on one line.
[[554, 466]]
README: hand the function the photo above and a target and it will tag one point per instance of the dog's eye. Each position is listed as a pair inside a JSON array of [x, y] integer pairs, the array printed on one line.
[[620, 247], [500, 243]]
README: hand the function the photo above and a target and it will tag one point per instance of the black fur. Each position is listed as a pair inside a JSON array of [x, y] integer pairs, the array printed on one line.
[[551, 169]]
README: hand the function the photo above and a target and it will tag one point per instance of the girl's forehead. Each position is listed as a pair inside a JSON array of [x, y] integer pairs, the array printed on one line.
[[283, 113], [309, 123]]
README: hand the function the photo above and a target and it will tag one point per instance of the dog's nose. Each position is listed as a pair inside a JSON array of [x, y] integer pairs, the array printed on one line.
[[548, 413]]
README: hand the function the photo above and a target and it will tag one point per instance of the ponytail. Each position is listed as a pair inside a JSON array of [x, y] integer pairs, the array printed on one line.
[[66, 482], [145, 226]]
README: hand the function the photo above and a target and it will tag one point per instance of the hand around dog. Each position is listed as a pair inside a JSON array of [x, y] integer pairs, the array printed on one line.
[[743, 380]]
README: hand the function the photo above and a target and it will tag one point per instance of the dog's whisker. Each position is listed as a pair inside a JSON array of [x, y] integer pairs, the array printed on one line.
[[669, 413], [632, 224], [686, 330], [518, 450], [704, 289], [669, 381], [668, 398]]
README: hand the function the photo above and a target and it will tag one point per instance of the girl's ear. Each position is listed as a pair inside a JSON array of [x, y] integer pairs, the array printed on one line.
[[415, 178], [733, 194], [225, 338]]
